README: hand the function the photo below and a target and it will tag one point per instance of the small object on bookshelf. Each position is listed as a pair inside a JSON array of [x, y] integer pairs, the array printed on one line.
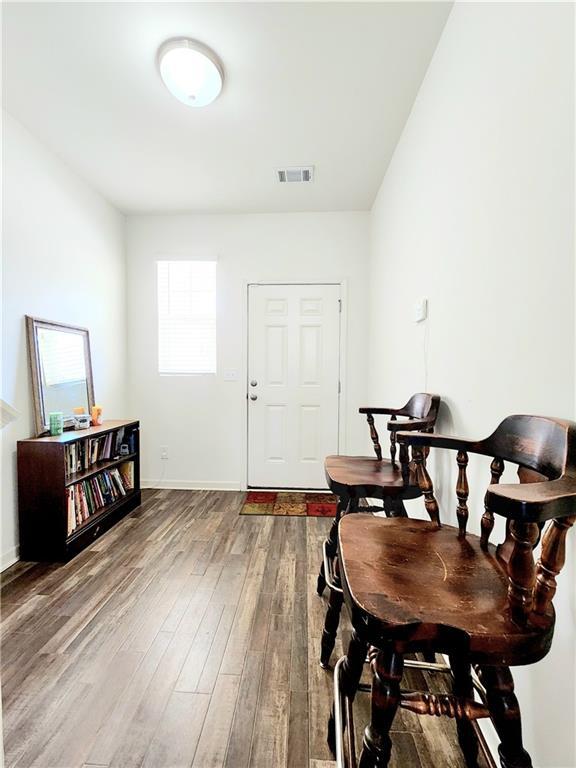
[[81, 421], [56, 421], [75, 486], [96, 415], [124, 449]]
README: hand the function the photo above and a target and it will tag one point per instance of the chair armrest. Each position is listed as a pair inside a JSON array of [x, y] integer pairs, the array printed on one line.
[[534, 502], [427, 439], [381, 411], [414, 425]]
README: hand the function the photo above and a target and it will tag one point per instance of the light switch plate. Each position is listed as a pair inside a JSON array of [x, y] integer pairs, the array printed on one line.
[[420, 310], [231, 375]]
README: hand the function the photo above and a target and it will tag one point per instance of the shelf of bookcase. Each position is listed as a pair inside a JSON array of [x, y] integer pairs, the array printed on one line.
[[76, 435], [101, 513], [95, 469]]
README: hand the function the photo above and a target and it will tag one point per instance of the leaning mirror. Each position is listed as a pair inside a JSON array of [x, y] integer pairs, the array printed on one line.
[[61, 370]]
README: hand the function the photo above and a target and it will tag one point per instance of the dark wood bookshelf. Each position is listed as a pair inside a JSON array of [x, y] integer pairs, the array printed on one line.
[[42, 497]]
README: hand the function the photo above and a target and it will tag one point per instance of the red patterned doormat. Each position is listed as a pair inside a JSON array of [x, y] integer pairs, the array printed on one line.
[[289, 503]]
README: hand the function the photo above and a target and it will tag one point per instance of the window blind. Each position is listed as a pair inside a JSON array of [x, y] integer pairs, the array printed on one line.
[[186, 317]]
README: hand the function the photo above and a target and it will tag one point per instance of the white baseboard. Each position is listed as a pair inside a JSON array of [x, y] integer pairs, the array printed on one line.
[[9, 557], [193, 485]]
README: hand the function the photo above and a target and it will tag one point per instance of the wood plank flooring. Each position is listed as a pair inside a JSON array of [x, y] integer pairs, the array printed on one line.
[[186, 637]]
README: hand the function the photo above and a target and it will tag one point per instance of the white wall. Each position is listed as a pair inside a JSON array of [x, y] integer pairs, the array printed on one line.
[[63, 259], [476, 213], [202, 419]]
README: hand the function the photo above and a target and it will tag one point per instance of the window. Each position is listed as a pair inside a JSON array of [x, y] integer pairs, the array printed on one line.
[[186, 317]]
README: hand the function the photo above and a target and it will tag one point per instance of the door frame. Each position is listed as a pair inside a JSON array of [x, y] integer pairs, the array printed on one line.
[[342, 344]]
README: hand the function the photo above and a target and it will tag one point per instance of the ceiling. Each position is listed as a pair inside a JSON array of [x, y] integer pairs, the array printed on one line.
[[325, 84]]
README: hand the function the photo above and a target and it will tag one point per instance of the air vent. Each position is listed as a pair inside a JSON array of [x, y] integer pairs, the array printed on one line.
[[296, 175]]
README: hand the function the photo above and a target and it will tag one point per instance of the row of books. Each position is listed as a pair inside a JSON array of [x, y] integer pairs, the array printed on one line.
[[89, 496], [83, 454]]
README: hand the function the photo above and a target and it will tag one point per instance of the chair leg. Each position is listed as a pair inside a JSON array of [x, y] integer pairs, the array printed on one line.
[[387, 669], [394, 507], [462, 686], [350, 675], [505, 714], [331, 621], [387, 505], [332, 543], [321, 583]]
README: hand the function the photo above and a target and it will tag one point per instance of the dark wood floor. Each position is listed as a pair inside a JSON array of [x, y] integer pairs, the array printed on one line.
[[186, 637]]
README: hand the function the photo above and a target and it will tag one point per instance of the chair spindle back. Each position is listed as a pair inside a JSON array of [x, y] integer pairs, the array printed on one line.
[[544, 450]]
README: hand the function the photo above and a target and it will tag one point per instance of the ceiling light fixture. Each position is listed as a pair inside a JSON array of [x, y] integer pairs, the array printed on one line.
[[191, 71]]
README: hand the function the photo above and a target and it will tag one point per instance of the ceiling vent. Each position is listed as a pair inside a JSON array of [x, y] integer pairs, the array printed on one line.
[[298, 174]]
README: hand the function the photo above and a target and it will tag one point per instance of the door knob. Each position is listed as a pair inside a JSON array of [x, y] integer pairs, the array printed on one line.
[[253, 397], [253, 383]]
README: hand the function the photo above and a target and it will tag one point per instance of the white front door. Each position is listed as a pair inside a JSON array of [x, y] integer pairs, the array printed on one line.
[[293, 374]]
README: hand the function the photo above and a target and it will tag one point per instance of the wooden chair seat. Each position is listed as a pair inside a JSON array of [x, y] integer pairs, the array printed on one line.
[[369, 477], [421, 583]]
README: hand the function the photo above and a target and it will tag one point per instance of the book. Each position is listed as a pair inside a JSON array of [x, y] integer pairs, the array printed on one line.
[[127, 474], [70, 492]]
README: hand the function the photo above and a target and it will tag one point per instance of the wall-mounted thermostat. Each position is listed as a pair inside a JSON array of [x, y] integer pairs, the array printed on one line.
[[420, 310]]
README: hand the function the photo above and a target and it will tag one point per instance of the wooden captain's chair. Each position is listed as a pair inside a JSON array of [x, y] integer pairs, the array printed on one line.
[[417, 586], [352, 478]]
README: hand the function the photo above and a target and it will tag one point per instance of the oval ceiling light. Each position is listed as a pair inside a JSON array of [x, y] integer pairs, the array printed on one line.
[[190, 71]]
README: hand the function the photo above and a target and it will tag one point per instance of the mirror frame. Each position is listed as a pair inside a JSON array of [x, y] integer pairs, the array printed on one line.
[[32, 323]]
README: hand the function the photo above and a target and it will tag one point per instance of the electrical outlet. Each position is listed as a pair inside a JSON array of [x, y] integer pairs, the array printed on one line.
[[164, 452]]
